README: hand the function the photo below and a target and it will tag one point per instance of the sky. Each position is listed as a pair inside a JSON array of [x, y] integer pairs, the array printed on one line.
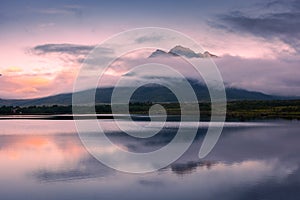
[[43, 42]]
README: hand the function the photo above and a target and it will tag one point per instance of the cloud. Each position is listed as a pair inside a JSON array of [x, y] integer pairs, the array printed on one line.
[[37, 85], [13, 69], [268, 75], [73, 49], [145, 39], [25, 86], [66, 63], [271, 76], [274, 23], [54, 11], [63, 10], [74, 54]]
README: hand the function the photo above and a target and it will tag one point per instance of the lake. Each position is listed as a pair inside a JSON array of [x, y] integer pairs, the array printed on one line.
[[44, 159]]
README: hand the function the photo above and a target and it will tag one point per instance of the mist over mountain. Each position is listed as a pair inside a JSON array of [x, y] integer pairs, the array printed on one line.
[[146, 93]]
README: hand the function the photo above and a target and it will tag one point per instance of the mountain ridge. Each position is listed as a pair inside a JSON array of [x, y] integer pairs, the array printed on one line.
[[179, 50], [147, 93]]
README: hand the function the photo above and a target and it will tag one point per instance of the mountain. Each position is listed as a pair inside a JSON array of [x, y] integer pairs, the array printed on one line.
[[182, 51], [152, 93], [206, 54], [157, 53]]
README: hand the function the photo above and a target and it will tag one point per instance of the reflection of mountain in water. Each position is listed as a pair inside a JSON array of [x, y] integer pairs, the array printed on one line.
[[250, 161], [191, 166]]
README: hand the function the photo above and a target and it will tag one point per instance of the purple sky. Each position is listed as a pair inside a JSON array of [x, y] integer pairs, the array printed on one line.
[[44, 42]]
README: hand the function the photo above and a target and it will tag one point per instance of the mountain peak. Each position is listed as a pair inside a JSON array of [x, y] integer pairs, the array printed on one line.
[[184, 51], [206, 54], [179, 50], [158, 52]]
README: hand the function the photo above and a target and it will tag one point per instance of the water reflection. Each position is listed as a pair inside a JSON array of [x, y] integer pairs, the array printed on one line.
[[191, 166], [249, 162]]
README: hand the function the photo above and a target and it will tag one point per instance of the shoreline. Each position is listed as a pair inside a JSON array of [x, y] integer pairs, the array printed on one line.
[[134, 117], [247, 110]]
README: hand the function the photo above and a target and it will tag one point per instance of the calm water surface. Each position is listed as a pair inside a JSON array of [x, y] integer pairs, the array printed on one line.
[[44, 159]]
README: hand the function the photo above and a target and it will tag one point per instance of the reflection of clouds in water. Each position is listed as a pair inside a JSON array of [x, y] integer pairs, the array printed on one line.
[[111, 127], [40, 151], [86, 168], [285, 188], [49, 158], [218, 180], [246, 164], [267, 168], [36, 127], [152, 183]]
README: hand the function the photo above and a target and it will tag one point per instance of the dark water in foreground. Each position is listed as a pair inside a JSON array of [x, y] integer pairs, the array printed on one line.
[[44, 159]]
